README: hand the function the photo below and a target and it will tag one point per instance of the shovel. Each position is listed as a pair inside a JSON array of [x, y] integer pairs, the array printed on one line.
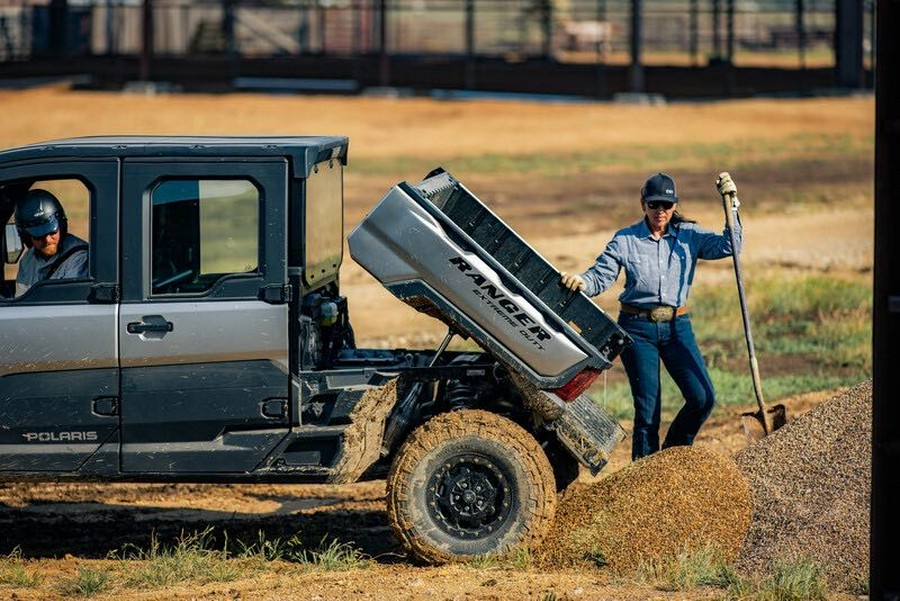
[[765, 420]]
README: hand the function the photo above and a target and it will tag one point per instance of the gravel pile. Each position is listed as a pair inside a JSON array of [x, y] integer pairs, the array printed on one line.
[[679, 499], [811, 485]]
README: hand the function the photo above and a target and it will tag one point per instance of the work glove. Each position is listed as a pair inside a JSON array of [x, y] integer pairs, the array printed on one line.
[[572, 281], [726, 187]]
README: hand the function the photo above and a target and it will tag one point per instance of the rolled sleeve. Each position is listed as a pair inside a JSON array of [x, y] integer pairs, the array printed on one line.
[[718, 246]]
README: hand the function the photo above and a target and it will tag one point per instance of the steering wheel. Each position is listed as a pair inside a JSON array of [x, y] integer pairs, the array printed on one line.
[[173, 281]]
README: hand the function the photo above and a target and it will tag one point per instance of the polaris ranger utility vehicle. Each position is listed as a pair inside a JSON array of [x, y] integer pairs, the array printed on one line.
[[210, 342]]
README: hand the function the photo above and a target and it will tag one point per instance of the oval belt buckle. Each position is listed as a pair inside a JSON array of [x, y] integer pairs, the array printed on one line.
[[662, 313]]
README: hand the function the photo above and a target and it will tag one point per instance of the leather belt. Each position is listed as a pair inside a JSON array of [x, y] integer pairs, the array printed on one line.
[[658, 313]]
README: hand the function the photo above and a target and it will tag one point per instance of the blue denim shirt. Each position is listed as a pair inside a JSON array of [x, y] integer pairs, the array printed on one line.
[[657, 272]]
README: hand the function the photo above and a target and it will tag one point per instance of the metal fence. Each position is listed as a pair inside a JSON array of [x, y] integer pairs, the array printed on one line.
[[677, 32]]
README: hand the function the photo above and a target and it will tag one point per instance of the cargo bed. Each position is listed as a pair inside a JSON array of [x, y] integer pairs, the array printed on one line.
[[437, 247]]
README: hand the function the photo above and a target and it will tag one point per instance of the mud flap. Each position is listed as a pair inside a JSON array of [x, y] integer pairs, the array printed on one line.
[[588, 432], [362, 438]]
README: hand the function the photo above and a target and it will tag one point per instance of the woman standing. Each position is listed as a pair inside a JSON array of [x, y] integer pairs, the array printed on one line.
[[659, 255]]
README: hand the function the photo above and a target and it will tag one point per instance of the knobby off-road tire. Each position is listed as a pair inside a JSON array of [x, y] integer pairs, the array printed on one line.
[[470, 483]]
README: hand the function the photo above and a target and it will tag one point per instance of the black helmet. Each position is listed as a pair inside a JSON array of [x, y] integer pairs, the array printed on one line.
[[39, 214], [659, 187]]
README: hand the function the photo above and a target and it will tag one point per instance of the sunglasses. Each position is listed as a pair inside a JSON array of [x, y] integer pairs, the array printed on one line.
[[42, 236], [660, 204]]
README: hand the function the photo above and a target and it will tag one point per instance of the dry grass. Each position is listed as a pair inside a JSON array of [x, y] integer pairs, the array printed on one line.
[[411, 127]]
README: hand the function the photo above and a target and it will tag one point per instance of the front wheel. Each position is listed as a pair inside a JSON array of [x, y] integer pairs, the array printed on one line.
[[470, 483]]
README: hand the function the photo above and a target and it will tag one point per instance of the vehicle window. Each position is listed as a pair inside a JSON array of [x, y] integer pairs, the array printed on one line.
[[75, 199], [203, 231]]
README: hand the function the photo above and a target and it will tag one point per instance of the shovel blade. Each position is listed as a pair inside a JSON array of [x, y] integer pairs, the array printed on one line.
[[755, 423]]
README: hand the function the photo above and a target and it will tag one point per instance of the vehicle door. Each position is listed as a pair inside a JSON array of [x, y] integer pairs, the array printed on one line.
[[203, 320], [59, 382]]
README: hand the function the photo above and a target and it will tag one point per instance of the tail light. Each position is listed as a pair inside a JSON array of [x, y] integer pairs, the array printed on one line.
[[578, 384]]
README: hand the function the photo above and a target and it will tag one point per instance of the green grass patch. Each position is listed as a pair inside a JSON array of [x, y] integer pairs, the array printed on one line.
[[615, 398], [14, 572], [795, 580], [193, 557], [741, 154], [330, 555], [272, 549], [87, 582], [700, 567], [799, 580], [827, 320], [811, 333], [520, 559], [334, 556], [688, 570], [199, 558]]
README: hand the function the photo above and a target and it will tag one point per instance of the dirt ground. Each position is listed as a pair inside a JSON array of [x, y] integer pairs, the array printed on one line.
[[567, 218], [68, 526]]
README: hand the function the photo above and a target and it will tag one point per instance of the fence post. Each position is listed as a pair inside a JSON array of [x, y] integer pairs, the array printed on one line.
[[228, 26], [729, 48], [729, 31], [384, 65], [108, 28], [637, 66], [547, 27], [717, 29], [693, 33], [469, 76], [801, 42], [58, 43], [602, 46], [848, 43], [323, 29], [147, 39]]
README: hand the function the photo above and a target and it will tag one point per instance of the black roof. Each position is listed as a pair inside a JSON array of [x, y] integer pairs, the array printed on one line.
[[303, 151]]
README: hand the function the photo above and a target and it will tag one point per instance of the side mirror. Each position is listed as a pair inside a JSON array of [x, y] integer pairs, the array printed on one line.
[[12, 244]]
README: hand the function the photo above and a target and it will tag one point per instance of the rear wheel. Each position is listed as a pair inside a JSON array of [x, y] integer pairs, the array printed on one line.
[[470, 483]]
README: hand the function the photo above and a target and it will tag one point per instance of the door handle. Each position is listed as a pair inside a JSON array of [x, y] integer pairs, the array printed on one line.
[[155, 325], [137, 327]]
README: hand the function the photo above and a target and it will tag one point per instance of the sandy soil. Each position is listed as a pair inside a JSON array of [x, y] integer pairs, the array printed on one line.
[[568, 219]]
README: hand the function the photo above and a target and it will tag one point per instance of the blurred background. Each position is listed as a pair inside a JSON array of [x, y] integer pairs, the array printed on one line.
[[592, 48]]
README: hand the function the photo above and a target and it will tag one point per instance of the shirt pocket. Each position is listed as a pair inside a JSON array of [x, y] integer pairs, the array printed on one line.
[[638, 271]]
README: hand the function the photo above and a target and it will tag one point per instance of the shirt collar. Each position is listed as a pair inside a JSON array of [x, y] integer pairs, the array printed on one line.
[[644, 229]]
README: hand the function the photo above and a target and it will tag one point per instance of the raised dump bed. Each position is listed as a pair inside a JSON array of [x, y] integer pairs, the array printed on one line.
[[437, 247]]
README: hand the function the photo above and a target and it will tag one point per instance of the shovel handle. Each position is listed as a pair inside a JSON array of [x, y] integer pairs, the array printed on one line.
[[727, 205]]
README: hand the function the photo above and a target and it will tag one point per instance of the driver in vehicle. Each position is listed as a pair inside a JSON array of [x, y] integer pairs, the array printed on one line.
[[53, 253]]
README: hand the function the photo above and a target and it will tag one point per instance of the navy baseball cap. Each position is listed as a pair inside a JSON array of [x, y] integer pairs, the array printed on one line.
[[659, 187]]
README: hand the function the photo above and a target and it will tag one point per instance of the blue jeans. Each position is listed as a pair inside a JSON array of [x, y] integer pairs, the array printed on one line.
[[672, 342]]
